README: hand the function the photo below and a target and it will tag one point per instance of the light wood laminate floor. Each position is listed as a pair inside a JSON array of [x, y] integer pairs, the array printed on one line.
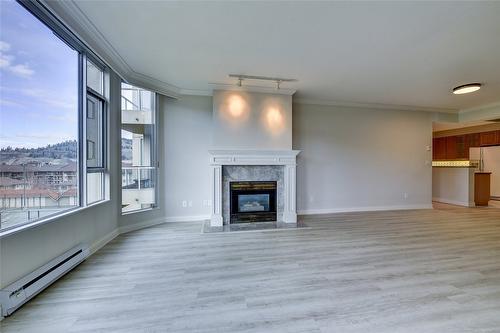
[[405, 271]]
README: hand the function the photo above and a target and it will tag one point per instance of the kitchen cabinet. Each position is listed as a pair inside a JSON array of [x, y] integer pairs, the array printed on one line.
[[482, 189], [457, 147], [451, 148], [439, 149], [462, 149], [489, 138], [472, 140]]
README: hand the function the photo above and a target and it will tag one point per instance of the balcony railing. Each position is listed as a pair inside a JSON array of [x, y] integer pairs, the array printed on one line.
[[138, 177], [142, 100]]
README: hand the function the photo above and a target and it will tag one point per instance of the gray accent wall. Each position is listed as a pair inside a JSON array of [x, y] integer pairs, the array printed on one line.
[[362, 159]]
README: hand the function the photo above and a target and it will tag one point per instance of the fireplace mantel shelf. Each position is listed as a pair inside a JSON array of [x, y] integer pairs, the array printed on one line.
[[286, 158], [253, 157]]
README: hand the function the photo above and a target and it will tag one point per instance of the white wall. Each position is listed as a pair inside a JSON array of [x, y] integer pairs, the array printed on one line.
[[23, 252], [188, 132], [491, 159], [248, 120], [453, 186], [361, 159]]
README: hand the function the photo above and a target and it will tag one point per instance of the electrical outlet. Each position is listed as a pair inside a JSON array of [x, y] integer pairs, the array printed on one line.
[[405, 195], [184, 203], [190, 203], [209, 203]]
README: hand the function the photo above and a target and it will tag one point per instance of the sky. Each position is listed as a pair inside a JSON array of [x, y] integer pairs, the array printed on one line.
[[38, 82]]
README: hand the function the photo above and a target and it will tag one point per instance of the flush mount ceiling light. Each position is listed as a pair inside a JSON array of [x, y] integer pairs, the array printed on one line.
[[466, 88], [278, 80]]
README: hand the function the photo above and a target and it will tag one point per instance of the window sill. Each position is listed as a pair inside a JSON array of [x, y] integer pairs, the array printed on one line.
[[140, 211], [24, 227]]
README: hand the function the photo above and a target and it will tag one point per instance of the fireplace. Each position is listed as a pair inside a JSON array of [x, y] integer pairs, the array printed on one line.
[[252, 201]]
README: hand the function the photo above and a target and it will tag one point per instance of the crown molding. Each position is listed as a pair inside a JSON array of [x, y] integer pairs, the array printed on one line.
[[484, 112], [162, 87], [373, 106], [248, 88], [195, 92], [490, 106], [75, 19]]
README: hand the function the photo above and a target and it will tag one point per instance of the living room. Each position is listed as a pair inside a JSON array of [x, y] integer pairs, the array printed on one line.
[[249, 166]]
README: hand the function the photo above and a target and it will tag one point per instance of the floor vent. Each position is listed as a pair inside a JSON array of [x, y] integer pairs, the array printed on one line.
[[19, 292]]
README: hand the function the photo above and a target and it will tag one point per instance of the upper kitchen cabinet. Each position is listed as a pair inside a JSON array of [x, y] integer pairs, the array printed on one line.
[[451, 148], [490, 138], [439, 149]]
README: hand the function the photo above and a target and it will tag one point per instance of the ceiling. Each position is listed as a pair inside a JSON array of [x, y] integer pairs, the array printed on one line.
[[388, 53]]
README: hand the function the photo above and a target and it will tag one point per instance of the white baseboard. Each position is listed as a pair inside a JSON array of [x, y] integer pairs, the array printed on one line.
[[454, 202], [193, 218], [169, 219], [362, 209], [103, 241]]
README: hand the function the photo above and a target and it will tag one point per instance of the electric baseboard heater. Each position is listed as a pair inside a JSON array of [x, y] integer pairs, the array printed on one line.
[[21, 291]]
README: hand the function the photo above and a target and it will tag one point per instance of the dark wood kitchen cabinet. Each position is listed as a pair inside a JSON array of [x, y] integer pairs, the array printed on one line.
[[439, 149], [472, 140], [456, 147], [451, 148], [462, 151], [490, 138]]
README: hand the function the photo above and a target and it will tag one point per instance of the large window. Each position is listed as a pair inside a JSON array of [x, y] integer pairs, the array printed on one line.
[[52, 131], [139, 167]]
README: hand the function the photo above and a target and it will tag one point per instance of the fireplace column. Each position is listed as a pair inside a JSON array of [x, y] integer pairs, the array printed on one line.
[[290, 212], [216, 216]]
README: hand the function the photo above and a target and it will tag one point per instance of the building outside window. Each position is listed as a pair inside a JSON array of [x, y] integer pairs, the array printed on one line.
[[52, 154], [139, 166]]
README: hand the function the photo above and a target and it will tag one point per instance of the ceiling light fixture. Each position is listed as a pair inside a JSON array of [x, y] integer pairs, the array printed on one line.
[[466, 88], [278, 80]]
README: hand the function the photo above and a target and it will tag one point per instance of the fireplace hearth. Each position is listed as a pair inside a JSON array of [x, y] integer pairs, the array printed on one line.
[[253, 201]]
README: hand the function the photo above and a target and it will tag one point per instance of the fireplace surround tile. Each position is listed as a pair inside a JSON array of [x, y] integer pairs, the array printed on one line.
[[231, 173]]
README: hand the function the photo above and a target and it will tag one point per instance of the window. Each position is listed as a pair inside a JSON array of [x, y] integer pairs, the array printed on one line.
[[52, 133], [95, 134], [139, 166]]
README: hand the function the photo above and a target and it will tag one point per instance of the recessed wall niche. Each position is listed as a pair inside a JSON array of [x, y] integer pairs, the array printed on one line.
[[251, 120]]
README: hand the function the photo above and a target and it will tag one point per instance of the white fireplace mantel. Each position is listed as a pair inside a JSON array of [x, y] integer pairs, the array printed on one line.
[[287, 158]]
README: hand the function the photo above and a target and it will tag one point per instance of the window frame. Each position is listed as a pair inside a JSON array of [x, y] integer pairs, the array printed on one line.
[[87, 91], [154, 152], [104, 125], [46, 17]]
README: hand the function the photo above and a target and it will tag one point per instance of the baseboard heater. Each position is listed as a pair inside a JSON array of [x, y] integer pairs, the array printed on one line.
[[21, 291]]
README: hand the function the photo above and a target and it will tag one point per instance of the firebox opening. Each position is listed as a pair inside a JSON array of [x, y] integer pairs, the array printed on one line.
[[253, 201]]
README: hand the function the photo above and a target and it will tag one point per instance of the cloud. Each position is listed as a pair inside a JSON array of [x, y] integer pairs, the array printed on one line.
[[6, 62], [22, 70], [4, 46]]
